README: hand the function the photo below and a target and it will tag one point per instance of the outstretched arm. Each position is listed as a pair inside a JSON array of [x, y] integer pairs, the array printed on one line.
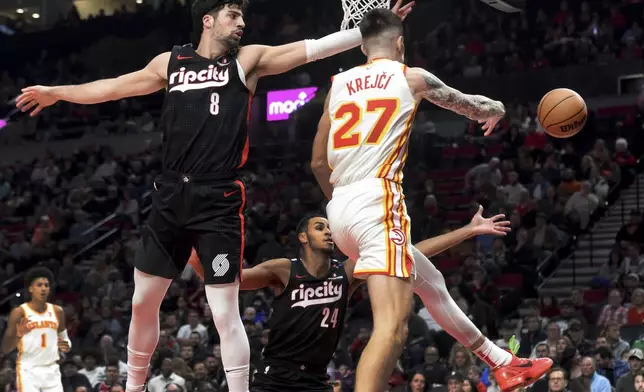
[[271, 273], [273, 60], [319, 158], [433, 246], [477, 226], [145, 81], [427, 86]]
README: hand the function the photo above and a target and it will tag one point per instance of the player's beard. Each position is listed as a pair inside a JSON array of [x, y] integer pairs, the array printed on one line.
[[230, 42]]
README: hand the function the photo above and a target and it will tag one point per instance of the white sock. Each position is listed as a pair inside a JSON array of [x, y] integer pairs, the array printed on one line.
[[235, 349], [492, 354]]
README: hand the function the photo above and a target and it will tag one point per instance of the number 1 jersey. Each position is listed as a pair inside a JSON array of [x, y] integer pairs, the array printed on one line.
[[372, 110]]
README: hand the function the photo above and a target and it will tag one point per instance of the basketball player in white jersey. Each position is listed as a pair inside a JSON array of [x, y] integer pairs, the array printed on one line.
[[37, 330], [358, 158]]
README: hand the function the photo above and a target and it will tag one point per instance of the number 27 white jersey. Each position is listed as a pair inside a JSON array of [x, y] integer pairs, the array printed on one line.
[[372, 110]]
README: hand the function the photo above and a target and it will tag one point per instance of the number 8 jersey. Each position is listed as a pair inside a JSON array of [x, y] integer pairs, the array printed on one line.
[[372, 109]]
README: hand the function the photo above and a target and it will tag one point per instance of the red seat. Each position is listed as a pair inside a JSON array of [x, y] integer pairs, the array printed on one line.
[[595, 295], [514, 281], [494, 150], [448, 264]]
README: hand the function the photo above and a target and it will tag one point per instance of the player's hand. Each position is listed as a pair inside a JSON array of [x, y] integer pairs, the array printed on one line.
[[402, 11], [493, 226], [36, 98], [63, 345], [489, 124], [23, 327]]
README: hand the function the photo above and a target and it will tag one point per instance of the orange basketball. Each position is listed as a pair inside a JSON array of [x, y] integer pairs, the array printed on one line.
[[562, 113]]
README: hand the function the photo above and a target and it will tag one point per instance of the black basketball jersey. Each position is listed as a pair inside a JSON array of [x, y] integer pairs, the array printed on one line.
[[205, 114], [308, 319]]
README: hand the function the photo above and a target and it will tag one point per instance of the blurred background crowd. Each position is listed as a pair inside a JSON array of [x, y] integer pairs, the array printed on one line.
[[75, 188]]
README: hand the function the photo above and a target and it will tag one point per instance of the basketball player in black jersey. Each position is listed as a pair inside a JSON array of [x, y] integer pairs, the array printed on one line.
[[198, 200], [312, 292]]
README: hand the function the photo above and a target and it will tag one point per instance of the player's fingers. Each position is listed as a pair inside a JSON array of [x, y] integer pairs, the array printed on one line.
[[396, 6], [22, 99], [495, 218], [408, 7], [27, 89], [488, 132], [480, 210], [36, 111], [503, 229], [29, 105], [503, 223]]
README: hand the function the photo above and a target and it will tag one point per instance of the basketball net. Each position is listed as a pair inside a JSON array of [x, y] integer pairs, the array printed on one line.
[[354, 10]]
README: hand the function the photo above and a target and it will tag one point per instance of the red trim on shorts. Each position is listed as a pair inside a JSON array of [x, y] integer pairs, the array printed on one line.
[[242, 230], [246, 143]]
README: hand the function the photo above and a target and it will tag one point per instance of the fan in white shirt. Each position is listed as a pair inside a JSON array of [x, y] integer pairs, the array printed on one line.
[[183, 335], [158, 383], [94, 374]]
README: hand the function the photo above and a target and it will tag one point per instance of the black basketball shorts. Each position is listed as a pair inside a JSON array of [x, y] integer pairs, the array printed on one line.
[[204, 212], [282, 379]]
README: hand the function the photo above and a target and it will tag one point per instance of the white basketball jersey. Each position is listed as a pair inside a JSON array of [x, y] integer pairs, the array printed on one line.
[[39, 347], [372, 110]]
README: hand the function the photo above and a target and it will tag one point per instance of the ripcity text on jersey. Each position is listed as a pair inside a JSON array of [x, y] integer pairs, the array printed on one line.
[[372, 110], [205, 114], [307, 319], [39, 347]]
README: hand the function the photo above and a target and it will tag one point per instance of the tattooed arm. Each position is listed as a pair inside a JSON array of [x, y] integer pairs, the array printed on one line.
[[475, 107]]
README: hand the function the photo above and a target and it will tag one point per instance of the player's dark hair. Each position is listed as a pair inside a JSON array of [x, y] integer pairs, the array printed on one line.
[[203, 7], [379, 21], [37, 273]]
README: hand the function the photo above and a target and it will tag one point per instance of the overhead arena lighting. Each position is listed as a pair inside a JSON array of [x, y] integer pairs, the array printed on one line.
[[35, 15], [20, 11]]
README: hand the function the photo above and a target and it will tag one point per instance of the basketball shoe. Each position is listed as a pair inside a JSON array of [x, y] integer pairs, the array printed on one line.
[[521, 372]]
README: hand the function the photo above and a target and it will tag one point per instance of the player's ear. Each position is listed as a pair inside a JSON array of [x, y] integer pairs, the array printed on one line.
[[363, 50], [208, 21], [400, 44], [303, 238]]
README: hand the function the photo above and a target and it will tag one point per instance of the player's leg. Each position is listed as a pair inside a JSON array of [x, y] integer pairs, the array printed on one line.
[[26, 381], [160, 257], [220, 247], [390, 303], [430, 287]]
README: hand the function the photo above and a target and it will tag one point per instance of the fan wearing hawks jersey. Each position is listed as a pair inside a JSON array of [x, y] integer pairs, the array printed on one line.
[[199, 199], [311, 297], [37, 330], [358, 158]]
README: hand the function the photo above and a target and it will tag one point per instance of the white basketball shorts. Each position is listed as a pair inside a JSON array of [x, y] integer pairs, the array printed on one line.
[[369, 224], [38, 378]]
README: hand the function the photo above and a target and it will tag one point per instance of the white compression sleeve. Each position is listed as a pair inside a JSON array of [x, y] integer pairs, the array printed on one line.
[[332, 44]]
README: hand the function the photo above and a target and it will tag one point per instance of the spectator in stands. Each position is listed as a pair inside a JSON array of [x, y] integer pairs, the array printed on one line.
[[590, 379], [553, 334], [626, 383], [514, 189], [433, 370], [615, 342], [549, 306], [112, 377], [72, 379], [634, 260], [633, 230], [94, 373], [557, 380], [608, 366], [581, 205], [577, 334], [544, 236], [193, 325], [635, 314], [417, 383], [478, 175]]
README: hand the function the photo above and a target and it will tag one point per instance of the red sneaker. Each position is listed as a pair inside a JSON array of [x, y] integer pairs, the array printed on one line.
[[521, 372]]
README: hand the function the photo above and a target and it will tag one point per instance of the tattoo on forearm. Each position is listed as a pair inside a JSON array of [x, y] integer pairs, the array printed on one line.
[[475, 107]]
